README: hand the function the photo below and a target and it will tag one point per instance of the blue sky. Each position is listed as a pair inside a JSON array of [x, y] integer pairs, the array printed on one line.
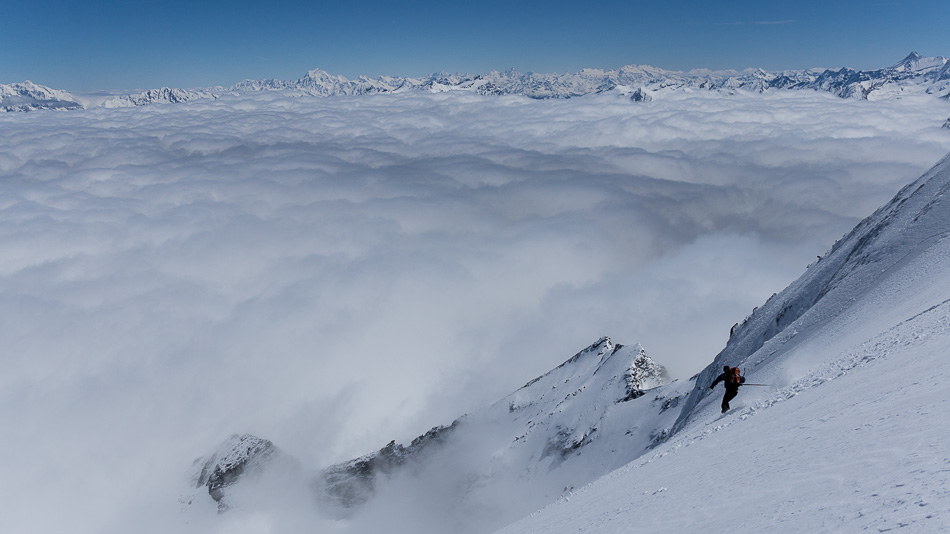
[[106, 44]]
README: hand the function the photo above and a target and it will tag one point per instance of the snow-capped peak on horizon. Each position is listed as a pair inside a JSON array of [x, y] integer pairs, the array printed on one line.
[[29, 96], [914, 74], [914, 62], [912, 56], [320, 74]]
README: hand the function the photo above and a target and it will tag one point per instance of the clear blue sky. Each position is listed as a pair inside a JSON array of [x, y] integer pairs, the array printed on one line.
[[139, 44]]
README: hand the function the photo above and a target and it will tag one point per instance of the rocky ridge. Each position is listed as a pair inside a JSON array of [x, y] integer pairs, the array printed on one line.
[[237, 458], [593, 403]]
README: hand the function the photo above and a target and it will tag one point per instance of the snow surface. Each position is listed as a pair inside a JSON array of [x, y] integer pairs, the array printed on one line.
[[851, 435]]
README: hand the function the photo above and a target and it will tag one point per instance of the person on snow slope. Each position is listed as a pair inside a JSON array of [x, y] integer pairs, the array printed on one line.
[[733, 379]]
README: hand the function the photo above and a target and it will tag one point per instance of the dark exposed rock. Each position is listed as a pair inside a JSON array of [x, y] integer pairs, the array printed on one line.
[[643, 374], [236, 458], [563, 444], [350, 484], [640, 95]]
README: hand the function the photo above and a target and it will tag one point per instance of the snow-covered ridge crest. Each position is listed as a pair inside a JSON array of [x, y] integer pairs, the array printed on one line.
[[595, 362], [164, 95], [236, 458], [587, 416], [28, 96]]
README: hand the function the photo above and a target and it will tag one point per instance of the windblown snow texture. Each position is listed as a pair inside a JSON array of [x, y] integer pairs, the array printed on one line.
[[852, 437]]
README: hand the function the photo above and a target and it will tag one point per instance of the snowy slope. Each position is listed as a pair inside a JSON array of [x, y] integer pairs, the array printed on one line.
[[594, 413], [590, 415], [852, 433]]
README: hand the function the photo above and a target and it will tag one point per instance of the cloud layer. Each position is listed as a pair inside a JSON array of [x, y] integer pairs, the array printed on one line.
[[335, 273]]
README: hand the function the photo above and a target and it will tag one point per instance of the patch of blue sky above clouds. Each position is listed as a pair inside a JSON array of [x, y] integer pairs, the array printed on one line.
[[105, 44]]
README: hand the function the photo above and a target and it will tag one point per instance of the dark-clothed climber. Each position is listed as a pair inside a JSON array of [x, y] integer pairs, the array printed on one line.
[[733, 379]]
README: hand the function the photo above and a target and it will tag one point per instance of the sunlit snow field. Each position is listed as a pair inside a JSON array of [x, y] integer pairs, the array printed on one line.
[[335, 273], [850, 433]]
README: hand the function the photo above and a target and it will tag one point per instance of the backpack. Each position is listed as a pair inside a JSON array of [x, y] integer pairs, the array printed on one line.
[[734, 376]]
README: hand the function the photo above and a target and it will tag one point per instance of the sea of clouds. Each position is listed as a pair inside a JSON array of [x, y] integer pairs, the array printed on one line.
[[335, 273]]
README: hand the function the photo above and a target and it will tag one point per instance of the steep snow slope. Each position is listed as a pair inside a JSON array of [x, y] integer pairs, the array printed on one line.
[[852, 435]]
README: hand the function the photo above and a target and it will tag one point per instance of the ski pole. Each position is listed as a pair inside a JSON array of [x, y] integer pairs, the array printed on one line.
[[744, 384]]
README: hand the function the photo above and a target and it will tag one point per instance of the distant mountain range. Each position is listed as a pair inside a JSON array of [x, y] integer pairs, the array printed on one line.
[[912, 75], [28, 96]]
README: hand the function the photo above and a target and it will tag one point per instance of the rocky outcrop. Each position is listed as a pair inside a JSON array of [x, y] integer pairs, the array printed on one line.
[[352, 483], [237, 458]]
